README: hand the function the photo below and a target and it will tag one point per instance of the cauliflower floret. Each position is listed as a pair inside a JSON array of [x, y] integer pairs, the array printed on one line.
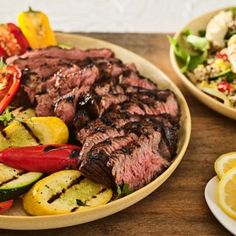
[[232, 40], [218, 27]]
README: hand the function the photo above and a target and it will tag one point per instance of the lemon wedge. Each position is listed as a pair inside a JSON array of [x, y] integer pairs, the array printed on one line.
[[226, 193], [224, 163]]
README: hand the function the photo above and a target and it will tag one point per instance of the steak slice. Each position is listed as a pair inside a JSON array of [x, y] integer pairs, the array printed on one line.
[[68, 54], [135, 79], [97, 137], [139, 163], [133, 158], [114, 120], [63, 91], [144, 105]]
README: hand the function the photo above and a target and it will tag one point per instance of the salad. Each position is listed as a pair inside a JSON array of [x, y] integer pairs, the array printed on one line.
[[208, 57]]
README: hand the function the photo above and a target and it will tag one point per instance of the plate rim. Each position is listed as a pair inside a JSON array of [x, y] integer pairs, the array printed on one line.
[[199, 94], [119, 204], [212, 183]]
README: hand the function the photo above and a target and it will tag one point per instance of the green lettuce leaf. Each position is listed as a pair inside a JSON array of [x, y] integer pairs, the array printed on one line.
[[188, 60], [198, 43]]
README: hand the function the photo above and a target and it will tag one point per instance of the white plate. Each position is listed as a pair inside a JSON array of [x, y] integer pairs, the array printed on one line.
[[210, 196]]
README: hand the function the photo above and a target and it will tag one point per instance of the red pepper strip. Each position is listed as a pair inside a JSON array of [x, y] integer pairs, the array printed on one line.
[[9, 84], [42, 158], [20, 38], [2, 52], [4, 206]]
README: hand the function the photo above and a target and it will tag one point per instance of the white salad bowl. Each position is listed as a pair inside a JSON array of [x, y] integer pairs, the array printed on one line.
[[195, 25]]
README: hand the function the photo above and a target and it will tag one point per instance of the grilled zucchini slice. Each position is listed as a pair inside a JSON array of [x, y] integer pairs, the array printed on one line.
[[14, 182], [63, 192]]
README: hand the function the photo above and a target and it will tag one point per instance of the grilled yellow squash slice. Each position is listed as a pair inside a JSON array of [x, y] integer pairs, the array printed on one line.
[[63, 192], [48, 130], [33, 131]]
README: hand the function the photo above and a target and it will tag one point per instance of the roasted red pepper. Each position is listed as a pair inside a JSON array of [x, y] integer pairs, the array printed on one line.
[[224, 86], [223, 56], [4, 206], [9, 84], [12, 40], [42, 158]]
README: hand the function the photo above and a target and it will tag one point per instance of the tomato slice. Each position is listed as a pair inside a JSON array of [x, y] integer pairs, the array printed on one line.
[[13, 41], [20, 38], [4, 206], [9, 84]]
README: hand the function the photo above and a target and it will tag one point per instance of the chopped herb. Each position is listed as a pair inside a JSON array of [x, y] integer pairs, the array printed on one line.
[[74, 153], [6, 117], [123, 190], [230, 33], [202, 33], [230, 77]]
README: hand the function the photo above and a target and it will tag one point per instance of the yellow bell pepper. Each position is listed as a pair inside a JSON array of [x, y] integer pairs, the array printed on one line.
[[36, 28]]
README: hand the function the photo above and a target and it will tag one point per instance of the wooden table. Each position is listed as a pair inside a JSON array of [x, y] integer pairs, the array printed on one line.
[[178, 207]]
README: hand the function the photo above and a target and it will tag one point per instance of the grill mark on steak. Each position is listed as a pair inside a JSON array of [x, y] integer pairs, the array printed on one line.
[[115, 120], [98, 137]]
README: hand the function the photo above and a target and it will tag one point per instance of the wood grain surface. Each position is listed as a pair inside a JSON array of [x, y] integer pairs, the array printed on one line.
[[178, 207]]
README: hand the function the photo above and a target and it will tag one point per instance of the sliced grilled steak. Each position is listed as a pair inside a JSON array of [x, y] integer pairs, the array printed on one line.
[[139, 162], [114, 120], [68, 54], [143, 105], [132, 159]]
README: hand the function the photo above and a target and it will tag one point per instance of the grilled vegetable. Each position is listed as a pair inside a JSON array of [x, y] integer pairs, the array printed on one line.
[[35, 26], [48, 130], [14, 182], [43, 158], [34, 131], [9, 84], [18, 114], [12, 40], [4, 206], [21, 114], [16, 135], [63, 192]]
